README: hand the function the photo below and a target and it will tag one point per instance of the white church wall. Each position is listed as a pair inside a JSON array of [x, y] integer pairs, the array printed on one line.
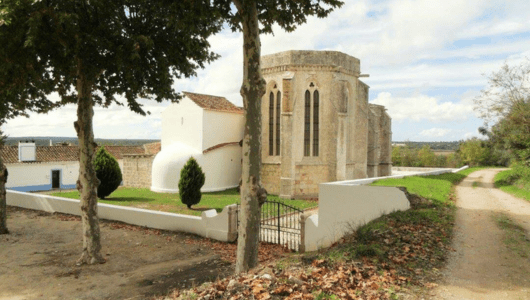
[[28, 177], [222, 167], [221, 127], [183, 122]]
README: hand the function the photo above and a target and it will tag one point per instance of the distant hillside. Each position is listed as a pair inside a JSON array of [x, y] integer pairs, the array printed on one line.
[[434, 145], [45, 141]]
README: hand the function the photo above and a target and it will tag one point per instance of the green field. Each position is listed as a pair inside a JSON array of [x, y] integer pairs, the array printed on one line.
[[144, 198]]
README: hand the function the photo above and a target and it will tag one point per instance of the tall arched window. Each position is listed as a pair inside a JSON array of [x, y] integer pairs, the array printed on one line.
[[275, 115], [278, 116], [307, 124], [271, 124], [316, 103]]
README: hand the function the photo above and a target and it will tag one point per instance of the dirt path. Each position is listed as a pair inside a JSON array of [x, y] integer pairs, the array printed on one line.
[[37, 260], [482, 267]]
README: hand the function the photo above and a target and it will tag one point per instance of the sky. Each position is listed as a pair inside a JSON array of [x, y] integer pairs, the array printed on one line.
[[427, 61]]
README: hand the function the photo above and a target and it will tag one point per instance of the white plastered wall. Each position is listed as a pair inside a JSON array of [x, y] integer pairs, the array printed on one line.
[[183, 122], [222, 167], [38, 176], [343, 206], [221, 127]]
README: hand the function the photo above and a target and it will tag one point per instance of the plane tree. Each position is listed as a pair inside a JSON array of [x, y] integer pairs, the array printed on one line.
[[99, 52], [253, 17]]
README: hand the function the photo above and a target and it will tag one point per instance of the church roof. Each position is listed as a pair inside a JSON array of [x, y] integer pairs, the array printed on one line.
[[216, 103]]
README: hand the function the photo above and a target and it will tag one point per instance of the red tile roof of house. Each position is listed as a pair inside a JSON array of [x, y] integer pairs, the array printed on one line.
[[64, 153], [213, 103], [153, 148]]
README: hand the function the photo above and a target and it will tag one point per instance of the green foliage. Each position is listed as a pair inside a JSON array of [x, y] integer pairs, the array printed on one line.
[[190, 183], [108, 172], [409, 156], [132, 48], [427, 156], [453, 161], [473, 152], [506, 101]]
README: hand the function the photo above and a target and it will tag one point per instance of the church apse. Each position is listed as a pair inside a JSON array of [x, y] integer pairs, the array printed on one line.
[[315, 122]]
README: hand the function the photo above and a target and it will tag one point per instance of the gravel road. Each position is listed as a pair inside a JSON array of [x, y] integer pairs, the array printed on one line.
[[482, 267]]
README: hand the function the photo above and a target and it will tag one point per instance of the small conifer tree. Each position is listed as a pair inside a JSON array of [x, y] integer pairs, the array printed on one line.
[[190, 183], [108, 172]]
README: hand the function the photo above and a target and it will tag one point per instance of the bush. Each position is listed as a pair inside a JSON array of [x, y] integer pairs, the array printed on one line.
[[108, 172], [190, 183]]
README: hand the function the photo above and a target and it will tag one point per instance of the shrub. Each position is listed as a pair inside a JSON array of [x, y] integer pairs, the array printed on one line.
[[190, 183], [108, 172]]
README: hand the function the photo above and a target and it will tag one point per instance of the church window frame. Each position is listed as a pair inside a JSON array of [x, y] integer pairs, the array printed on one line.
[[307, 124], [278, 122], [271, 124], [312, 121], [275, 107]]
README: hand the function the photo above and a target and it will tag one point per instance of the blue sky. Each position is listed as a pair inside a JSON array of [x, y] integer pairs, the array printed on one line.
[[427, 61]]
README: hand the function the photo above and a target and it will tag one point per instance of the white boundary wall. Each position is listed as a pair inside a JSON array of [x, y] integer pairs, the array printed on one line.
[[345, 205], [221, 227]]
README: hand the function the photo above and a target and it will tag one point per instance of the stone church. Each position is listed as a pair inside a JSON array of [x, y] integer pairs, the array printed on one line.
[[317, 126]]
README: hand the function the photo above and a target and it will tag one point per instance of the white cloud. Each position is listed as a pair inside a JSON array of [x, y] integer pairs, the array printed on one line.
[[435, 132], [470, 135], [423, 108]]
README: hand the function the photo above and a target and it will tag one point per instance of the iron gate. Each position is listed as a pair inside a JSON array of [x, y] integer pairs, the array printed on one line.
[[280, 224]]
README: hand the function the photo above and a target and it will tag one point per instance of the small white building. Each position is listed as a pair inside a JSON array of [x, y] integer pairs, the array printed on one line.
[[207, 128], [41, 168]]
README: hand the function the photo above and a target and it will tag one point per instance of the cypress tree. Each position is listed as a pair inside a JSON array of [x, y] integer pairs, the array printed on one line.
[[108, 172], [190, 183]]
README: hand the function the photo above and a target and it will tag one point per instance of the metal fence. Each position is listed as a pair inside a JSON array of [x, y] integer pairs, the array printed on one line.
[[280, 224]]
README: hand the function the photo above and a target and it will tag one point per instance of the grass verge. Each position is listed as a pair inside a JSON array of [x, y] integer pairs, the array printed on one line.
[[390, 257], [514, 235], [147, 199], [508, 181]]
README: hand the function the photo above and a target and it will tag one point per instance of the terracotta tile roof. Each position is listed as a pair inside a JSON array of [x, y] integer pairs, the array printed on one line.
[[44, 153], [119, 151], [64, 153], [213, 103], [153, 148]]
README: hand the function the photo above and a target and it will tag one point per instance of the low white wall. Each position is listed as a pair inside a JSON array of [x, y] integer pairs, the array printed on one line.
[[345, 205], [219, 227], [343, 208]]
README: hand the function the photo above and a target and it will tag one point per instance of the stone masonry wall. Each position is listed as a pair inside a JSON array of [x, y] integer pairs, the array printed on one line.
[[308, 178], [270, 178], [137, 170]]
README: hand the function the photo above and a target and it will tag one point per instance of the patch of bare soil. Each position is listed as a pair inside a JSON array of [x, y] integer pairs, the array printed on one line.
[[483, 267], [37, 260]]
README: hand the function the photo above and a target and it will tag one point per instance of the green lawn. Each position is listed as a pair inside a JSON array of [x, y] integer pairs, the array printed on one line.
[[508, 181], [436, 187], [144, 198]]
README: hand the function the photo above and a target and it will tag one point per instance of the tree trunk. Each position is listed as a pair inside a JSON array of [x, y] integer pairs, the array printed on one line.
[[253, 88], [3, 200], [87, 183]]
